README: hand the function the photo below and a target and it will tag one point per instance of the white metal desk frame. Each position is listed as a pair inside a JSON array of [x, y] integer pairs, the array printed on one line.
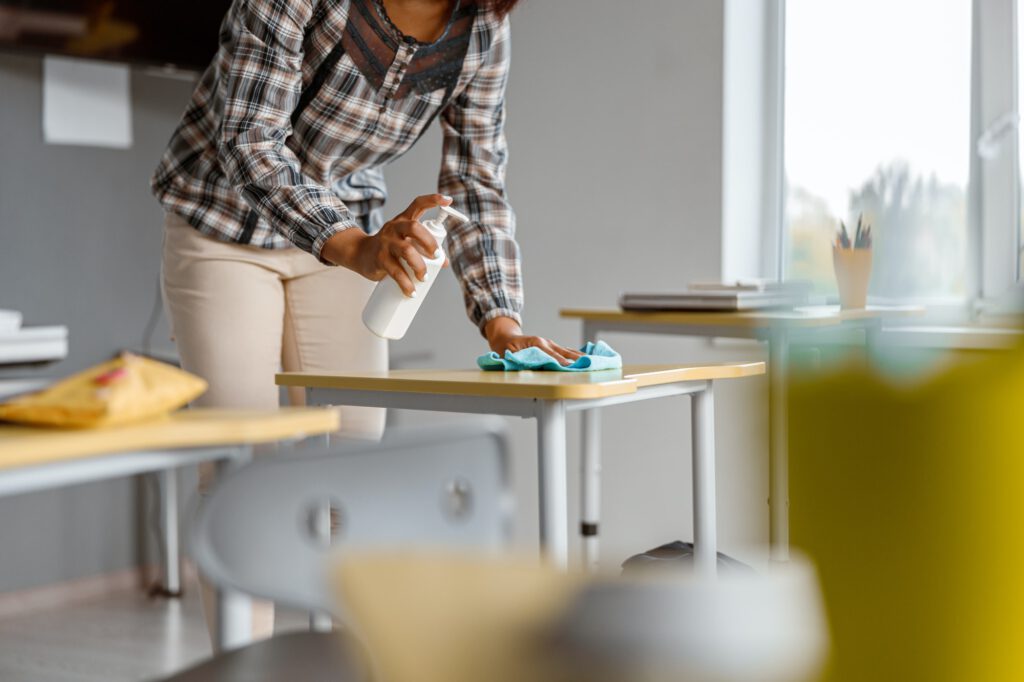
[[234, 609], [551, 449], [778, 337]]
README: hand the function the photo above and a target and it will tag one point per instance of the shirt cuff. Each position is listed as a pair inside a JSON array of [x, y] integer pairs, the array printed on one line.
[[321, 239], [499, 312]]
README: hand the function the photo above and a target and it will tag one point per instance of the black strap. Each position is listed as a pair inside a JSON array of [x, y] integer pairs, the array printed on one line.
[[249, 227], [313, 89]]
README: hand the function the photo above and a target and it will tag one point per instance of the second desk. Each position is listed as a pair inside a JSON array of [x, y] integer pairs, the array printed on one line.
[[778, 328]]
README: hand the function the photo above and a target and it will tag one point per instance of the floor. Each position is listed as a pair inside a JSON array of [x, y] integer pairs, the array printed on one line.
[[123, 637]]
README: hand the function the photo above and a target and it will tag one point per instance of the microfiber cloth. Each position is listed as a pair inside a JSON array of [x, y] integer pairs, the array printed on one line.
[[596, 356]]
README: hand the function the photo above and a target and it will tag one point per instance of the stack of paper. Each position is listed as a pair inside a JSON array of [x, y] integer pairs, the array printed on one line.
[[10, 321]]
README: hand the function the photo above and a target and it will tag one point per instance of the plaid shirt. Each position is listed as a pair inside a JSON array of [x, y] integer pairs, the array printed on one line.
[[287, 131]]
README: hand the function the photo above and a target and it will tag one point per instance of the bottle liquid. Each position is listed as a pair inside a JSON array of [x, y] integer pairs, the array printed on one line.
[[389, 311]]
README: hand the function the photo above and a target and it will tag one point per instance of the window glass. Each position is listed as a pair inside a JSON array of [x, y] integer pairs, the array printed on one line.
[[877, 122]]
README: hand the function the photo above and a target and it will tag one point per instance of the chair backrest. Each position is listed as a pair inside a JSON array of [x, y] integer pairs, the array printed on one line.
[[262, 529]]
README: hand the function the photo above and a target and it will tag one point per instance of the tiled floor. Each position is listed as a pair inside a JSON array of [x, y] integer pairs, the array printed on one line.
[[120, 638]]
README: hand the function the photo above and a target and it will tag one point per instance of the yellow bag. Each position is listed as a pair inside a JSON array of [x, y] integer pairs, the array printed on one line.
[[128, 388]]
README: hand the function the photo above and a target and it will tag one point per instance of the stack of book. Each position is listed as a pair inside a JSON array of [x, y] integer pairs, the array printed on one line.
[[725, 296]]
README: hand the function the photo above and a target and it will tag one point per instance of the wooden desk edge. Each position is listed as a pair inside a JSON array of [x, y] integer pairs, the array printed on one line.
[[605, 389], [671, 375], [282, 424], [27, 446], [633, 378]]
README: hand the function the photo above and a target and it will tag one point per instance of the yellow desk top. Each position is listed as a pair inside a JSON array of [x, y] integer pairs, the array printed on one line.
[[540, 385], [811, 316], [24, 446]]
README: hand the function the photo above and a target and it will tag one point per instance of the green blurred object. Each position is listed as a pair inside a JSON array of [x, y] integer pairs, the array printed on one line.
[[909, 496]]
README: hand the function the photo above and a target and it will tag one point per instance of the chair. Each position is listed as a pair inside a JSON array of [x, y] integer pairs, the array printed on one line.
[[264, 530]]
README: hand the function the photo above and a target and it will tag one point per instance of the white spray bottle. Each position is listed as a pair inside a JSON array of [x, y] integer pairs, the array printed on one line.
[[389, 311]]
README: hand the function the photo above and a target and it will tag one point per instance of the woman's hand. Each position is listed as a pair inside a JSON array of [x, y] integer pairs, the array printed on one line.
[[378, 256], [504, 333]]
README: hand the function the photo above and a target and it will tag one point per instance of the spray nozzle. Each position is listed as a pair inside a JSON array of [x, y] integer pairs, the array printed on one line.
[[449, 212]]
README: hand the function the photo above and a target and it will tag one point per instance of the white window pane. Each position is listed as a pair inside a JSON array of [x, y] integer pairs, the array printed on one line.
[[878, 121], [1020, 135]]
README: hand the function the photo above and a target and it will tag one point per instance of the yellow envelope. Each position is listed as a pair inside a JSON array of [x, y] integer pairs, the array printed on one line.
[[126, 389]]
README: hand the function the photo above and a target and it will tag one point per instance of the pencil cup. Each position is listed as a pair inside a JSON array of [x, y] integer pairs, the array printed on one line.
[[853, 273]]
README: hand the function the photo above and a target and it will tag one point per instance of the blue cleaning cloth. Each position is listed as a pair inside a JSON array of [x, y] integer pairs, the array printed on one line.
[[596, 356]]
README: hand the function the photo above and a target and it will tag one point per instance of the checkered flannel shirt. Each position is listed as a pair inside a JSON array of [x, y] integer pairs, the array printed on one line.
[[285, 135]]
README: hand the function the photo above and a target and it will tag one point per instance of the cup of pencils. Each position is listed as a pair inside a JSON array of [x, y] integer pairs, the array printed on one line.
[[852, 263]]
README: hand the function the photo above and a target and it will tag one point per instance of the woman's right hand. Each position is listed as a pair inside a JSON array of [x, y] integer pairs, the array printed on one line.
[[378, 256]]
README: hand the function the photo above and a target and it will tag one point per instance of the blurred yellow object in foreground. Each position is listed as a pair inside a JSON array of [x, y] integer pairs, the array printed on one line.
[[439, 618], [910, 501], [428, 617], [126, 389]]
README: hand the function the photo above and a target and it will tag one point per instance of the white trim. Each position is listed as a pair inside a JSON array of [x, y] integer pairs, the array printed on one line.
[[752, 174], [995, 94], [774, 199]]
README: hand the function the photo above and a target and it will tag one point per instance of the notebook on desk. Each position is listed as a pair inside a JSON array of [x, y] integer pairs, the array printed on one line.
[[734, 296]]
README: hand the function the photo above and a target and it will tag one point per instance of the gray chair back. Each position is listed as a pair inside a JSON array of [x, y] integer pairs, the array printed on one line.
[[261, 531]]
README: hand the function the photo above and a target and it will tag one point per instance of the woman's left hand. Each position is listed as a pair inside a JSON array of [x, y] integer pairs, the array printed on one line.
[[504, 333]]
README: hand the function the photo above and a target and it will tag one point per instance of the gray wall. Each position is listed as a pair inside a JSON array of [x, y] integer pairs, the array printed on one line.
[[79, 245], [615, 126]]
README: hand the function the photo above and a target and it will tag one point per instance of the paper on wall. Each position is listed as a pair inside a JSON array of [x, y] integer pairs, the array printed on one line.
[[86, 103]]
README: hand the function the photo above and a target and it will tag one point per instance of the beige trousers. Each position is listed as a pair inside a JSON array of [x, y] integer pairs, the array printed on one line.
[[240, 313]]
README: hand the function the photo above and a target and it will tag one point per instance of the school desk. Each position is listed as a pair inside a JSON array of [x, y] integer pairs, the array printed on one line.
[[546, 397], [778, 328], [34, 458]]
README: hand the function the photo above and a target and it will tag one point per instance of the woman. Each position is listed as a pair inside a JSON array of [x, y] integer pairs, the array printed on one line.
[[272, 180]]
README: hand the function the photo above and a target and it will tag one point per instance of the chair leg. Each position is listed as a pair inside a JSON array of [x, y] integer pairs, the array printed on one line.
[[234, 620], [234, 609], [320, 621]]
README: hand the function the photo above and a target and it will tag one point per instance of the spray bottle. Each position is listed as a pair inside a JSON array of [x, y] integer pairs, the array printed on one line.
[[389, 311]]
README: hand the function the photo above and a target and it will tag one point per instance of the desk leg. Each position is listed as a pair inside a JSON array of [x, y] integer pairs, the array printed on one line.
[[551, 465], [705, 536], [590, 473], [169, 509], [234, 609], [590, 487], [778, 446]]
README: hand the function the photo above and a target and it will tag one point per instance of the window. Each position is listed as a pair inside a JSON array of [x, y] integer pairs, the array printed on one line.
[[877, 121]]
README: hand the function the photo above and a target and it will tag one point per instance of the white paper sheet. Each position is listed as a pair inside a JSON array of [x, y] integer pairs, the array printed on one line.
[[86, 103]]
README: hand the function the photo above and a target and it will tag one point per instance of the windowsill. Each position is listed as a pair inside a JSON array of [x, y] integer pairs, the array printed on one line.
[[924, 336], [958, 337]]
